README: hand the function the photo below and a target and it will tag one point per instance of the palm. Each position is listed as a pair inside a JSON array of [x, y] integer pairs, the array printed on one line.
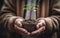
[[40, 28], [18, 28]]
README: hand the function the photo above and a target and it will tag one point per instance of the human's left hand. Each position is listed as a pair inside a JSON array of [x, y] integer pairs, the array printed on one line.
[[41, 26]]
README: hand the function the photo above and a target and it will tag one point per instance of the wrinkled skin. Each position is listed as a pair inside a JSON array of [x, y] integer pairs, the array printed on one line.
[[40, 27], [19, 29]]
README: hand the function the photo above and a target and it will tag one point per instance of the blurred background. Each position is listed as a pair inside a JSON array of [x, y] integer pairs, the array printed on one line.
[[2, 32], [1, 3]]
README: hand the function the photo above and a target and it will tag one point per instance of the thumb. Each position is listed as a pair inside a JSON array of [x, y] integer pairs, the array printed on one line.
[[39, 25]]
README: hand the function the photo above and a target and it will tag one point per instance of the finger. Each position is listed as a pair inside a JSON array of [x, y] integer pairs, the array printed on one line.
[[22, 30], [19, 24], [38, 19], [39, 25], [42, 21], [20, 19], [39, 31]]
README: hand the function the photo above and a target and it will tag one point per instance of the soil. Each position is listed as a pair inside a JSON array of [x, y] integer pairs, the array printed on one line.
[[29, 25]]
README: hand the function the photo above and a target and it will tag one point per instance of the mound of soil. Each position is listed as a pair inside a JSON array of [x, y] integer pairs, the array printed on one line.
[[29, 25]]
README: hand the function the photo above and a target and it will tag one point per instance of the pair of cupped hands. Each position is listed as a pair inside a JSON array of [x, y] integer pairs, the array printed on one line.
[[40, 27]]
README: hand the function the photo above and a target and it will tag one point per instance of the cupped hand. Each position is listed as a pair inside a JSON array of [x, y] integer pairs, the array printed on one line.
[[18, 27], [40, 28]]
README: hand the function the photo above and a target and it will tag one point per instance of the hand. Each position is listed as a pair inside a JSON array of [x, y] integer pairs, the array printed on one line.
[[40, 28], [18, 27]]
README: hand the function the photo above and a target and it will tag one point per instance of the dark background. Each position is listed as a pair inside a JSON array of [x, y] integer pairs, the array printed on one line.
[[1, 3], [2, 32]]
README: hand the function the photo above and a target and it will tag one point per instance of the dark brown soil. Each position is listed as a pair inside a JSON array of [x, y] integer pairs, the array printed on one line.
[[29, 25]]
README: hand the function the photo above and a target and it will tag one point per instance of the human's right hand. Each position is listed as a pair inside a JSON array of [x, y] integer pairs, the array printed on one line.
[[18, 27]]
